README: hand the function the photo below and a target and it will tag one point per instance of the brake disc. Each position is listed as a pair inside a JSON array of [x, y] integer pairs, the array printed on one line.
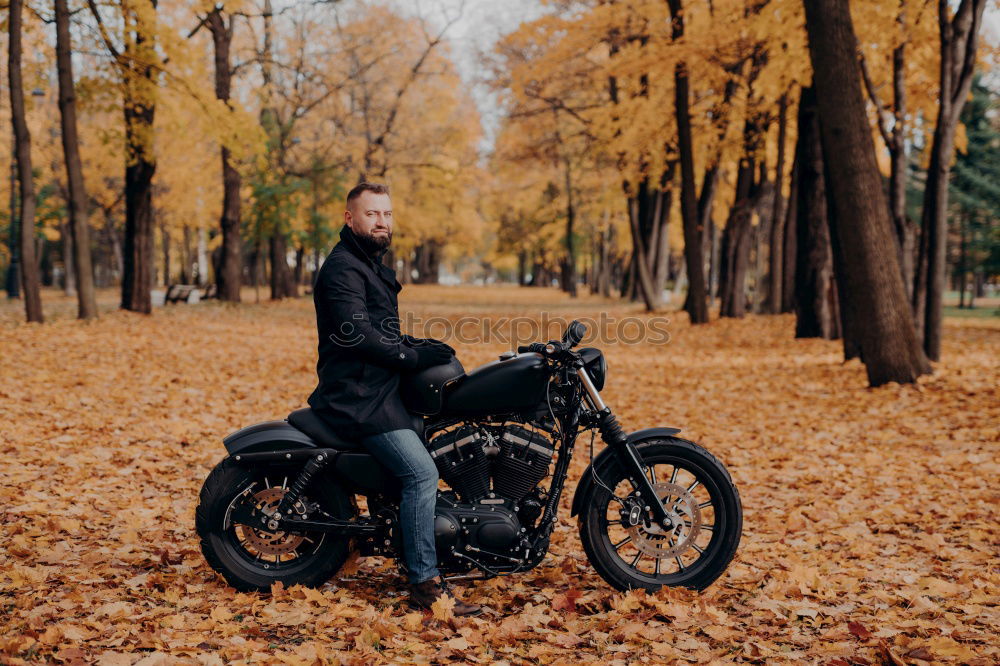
[[660, 543], [270, 543]]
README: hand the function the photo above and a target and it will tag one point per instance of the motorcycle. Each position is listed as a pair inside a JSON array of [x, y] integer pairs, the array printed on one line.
[[653, 509]]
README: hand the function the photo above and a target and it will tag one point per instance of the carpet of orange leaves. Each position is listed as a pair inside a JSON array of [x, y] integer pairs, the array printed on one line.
[[871, 531]]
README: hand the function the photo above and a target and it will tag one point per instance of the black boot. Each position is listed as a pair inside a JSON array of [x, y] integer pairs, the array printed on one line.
[[423, 595]]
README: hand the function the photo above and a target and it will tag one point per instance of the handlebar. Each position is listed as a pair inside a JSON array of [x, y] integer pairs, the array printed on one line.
[[571, 338]]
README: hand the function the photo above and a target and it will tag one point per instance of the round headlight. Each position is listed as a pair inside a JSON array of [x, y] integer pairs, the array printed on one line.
[[597, 366]]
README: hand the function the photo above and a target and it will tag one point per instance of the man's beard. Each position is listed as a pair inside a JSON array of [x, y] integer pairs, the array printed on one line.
[[373, 244]]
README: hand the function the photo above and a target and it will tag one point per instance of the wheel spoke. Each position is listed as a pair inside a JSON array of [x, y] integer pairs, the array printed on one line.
[[698, 548], [677, 558], [284, 484], [636, 559], [693, 485], [652, 474], [621, 543], [656, 567], [705, 505], [710, 528], [673, 474]]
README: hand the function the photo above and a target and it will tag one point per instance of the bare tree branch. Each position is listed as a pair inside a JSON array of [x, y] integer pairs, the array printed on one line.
[[873, 96]]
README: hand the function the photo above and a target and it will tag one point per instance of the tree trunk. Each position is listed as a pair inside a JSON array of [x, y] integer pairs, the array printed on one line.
[[186, 262], [734, 259], [66, 252], [117, 251], [736, 243], [569, 263], [300, 254], [870, 279], [12, 278], [788, 249], [962, 260], [140, 163], [816, 314], [661, 219], [231, 268], [165, 246], [282, 281], [45, 265], [257, 269], [428, 262], [201, 277], [760, 234], [642, 279], [776, 257], [137, 279], [78, 213], [22, 150], [605, 276], [958, 58], [904, 226], [697, 306], [706, 199]]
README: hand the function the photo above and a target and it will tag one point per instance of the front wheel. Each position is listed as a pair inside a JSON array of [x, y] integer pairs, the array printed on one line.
[[250, 558], [629, 550]]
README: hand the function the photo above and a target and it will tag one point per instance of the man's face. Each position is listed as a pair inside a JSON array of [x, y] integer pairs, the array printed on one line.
[[370, 218]]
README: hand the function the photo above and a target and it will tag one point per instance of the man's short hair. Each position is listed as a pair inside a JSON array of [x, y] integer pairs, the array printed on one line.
[[364, 186]]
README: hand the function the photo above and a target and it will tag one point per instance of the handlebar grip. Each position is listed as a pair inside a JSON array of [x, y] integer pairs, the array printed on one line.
[[575, 332], [523, 349]]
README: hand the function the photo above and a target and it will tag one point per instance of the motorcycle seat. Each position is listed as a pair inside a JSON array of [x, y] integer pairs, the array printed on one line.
[[307, 421]]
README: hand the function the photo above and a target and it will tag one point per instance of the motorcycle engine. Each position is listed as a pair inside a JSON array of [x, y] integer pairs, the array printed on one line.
[[522, 462], [462, 463], [488, 518]]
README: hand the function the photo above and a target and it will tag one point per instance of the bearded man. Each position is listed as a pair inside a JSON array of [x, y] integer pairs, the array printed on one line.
[[361, 355]]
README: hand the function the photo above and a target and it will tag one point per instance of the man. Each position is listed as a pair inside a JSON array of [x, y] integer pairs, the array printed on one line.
[[361, 354]]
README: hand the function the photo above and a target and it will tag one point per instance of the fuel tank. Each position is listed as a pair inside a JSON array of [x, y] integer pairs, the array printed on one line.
[[508, 385]]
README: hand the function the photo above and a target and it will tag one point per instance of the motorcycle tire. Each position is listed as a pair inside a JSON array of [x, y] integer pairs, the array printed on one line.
[[630, 551], [253, 559]]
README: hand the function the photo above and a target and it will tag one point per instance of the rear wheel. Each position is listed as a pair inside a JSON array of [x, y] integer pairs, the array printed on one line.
[[250, 558], [629, 550]]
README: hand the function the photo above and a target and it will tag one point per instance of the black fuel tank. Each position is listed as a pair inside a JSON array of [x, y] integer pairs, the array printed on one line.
[[504, 386]]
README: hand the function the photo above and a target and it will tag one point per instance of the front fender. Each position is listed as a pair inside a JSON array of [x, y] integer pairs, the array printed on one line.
[[605, 458]]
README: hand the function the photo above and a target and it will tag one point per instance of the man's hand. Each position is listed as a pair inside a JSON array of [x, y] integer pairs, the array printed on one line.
[[433, 354], [417, 343]]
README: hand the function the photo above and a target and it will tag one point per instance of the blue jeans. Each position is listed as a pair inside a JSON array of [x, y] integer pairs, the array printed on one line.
[[404, 453]]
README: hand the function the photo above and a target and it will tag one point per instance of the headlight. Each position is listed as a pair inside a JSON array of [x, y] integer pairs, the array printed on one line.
[[597, 366]]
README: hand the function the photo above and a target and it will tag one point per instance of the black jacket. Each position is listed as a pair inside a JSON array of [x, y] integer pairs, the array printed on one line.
[[361, 351]]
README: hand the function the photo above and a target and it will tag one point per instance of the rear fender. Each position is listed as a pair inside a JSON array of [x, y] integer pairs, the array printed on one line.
[[278, 441], [606, 458], [267, 436]]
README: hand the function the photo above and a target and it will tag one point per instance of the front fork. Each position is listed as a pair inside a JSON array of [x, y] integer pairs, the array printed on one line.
[[628, 455]]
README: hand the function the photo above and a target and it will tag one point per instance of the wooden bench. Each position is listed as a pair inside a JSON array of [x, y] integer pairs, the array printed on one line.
[[188, 293], [177, 293]]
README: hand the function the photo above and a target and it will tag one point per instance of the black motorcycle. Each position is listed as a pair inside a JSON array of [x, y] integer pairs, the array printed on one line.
[[653, 509]]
